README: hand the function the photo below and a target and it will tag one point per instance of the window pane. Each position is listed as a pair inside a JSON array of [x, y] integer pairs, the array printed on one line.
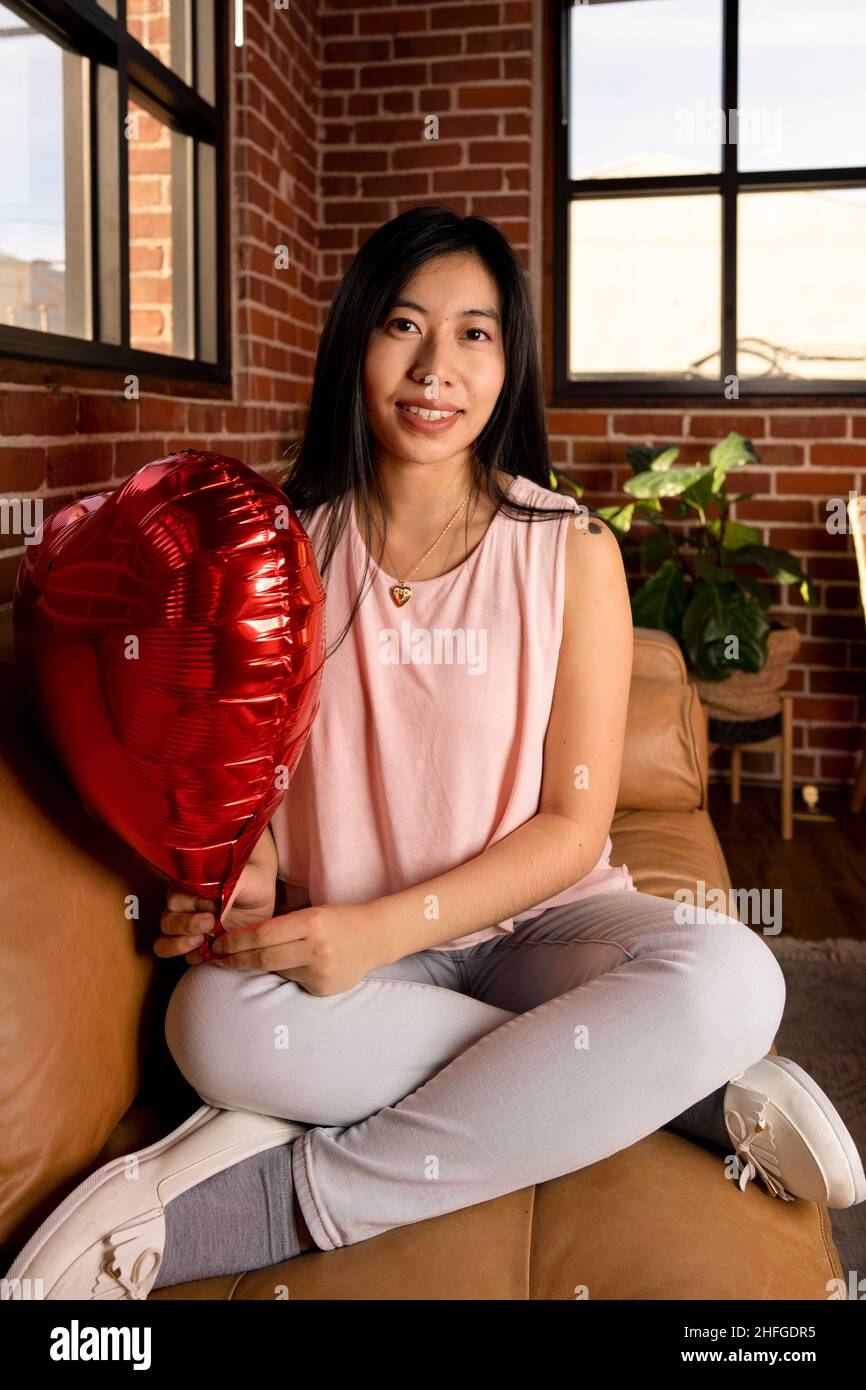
[[645, 88], [45, 281], [802, 84], [802, 285], [160, 236], [164, 28], [645, 285]]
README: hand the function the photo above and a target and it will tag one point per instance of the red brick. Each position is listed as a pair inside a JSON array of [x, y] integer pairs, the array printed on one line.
[[810, 482], [774, 509], [838, 769], [21, 470], [576, 422], [467, 16], [71, 464], [717, 427], [844, 597], [808, 426], [835, 736], [747, 480], [833, 567], [837, 682], [107, 415], [204, 419], [848, 456], [134, 453], [161, 413], [841, 625], [815, 710], [648, 425], [803, 539], [382, 75], [758, 762], [36, 413]]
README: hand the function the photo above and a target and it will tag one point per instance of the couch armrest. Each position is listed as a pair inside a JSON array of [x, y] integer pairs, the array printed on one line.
[[657, 657], [80, 981], [665, 756]]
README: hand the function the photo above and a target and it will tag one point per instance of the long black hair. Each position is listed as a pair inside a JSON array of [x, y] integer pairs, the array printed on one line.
[[334, 459]]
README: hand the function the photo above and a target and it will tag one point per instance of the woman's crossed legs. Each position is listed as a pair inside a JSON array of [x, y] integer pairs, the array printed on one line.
[[449, 1078]]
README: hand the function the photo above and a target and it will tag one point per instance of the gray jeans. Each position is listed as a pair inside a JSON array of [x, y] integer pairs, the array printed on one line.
[[449, 1078]]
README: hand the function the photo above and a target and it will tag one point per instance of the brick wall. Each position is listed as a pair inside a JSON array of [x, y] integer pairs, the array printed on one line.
[[332, 106]]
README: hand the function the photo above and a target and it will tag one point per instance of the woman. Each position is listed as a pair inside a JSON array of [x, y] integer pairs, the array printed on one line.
[[460, 996]]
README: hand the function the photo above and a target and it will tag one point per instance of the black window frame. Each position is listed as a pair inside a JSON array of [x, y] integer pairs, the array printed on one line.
[[86, 28], [728, 182]]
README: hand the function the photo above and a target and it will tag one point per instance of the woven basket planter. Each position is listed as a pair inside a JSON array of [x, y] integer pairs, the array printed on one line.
[[749, 696]]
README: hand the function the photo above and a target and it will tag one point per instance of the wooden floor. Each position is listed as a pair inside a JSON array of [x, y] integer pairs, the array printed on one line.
[[821, 871]]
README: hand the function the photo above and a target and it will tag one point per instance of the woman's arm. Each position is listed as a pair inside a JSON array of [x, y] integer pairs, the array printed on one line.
[[580, 780]]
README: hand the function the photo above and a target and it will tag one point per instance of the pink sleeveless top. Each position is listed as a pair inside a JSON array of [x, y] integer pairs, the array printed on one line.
[[427, 747]]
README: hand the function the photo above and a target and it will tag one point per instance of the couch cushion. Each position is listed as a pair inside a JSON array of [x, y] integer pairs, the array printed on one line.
[[664, 753], [657, 1220], [668, 850], [657, 657]]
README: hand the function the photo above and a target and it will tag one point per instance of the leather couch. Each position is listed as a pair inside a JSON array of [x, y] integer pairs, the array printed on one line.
[[87, 1075]]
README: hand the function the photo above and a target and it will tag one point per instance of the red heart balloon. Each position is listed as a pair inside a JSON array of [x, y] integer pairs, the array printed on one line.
[[170, 634]]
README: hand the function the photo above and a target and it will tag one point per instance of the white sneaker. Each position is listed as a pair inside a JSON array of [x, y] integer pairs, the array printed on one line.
[[786, 1130], [106, 1239]]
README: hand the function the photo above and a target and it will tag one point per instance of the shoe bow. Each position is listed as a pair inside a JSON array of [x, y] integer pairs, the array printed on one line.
[[130, 1264], [756, 1151]]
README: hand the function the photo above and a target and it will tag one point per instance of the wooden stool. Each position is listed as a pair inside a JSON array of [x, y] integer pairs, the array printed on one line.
[[783, 743]]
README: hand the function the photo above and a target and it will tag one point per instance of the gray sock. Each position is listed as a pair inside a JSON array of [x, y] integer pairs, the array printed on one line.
[[234, 1221], [705, 1120]]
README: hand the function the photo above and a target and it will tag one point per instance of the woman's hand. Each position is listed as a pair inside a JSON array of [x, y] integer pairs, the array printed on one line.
[[326, 949], [188, 919]]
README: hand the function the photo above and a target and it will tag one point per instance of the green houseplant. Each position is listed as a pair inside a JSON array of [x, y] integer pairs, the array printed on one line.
[[701, 586]]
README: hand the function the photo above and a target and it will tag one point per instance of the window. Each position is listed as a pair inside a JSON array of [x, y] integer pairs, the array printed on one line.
[[710, 198], [112, 243]]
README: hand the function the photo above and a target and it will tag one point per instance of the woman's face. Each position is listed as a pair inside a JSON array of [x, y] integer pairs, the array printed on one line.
[[439, 346]]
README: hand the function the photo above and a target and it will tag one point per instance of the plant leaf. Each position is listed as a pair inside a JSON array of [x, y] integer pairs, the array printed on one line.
[[716, 613], [620, 518], [642, 456], [661, 601], [556, 478], [708, 569], [780, 565], [737, 533], [754, 586], [732, 452], [701, 493], [662, 462], [655, 547], [671, 483]]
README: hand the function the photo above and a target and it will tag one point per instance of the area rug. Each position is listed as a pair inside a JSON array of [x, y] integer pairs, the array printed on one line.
[[823, 1029]]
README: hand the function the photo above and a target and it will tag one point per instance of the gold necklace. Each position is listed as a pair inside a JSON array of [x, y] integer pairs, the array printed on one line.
[[401, 592]]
